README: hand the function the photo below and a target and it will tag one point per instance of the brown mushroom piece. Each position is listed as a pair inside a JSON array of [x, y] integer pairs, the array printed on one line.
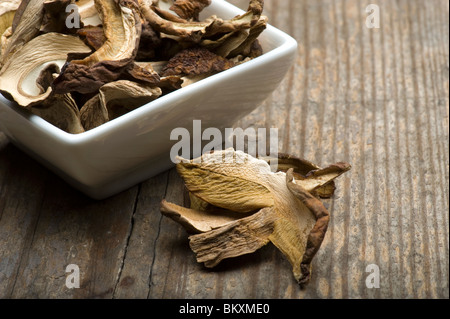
[[189, 9], [115, 99], [238, 205], [196, 61], [246, 47], [113, 60], [46, 77], [93, 36], [149, 44], [61, 111], [18, 75]]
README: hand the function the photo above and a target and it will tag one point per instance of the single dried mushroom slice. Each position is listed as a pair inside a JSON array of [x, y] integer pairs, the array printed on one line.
[[7, 10], [196, 61], [88, 13], [61, 111], [274, 207], [246, 47], [26, 24], [115, 99], [122, 28], [189, 9], [123, 96], [18, 76]]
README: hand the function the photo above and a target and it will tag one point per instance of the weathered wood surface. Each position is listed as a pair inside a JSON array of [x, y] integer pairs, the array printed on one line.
[[377, 98]]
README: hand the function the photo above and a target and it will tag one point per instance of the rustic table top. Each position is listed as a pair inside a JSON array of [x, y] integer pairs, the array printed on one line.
[[377, 98]]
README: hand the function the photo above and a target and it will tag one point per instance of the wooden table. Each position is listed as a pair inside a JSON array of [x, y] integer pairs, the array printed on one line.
[[377, 98]]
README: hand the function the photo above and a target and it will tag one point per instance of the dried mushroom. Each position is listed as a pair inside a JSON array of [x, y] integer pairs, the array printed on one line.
[[197, 31], [26, 25], [238, 205], [18, 76], [189, 9], [115, 99], [196, 61], [61, 111], [93, 36], [88, 13], [122, 29], [139, 48], [7, 10]]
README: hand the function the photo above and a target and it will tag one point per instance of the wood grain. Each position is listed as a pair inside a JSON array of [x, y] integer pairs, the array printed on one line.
[[377, 98]]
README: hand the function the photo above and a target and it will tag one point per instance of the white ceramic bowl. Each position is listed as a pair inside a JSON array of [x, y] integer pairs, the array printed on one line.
[[136, 146]]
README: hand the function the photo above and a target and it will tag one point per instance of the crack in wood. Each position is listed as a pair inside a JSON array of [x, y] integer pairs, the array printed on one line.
[[150, 277], [127, 242]]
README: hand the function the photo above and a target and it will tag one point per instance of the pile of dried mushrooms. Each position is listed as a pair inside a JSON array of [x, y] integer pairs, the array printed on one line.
[[238, 205], [121, 55]]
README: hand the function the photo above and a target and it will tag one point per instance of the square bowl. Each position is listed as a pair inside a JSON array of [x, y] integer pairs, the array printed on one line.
[[136, 146]]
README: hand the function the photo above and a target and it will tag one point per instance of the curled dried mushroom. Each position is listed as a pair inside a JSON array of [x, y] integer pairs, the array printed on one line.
[[141, 48], [189, 9], [18, 75], [238, 205]]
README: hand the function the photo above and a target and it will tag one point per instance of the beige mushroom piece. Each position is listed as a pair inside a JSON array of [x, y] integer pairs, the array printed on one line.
[[88, 12], [18, 75], [122, 35], [7, 10], [26, 25], [238, 205]]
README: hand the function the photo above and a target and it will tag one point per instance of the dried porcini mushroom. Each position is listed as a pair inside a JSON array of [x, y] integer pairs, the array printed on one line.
[[18, 76], [122, 29], [7, 10], [114, 100], [26, 25], [238, 205], [61, 111], [197, 31], [152, 47], [196, 61], [88, 13], [189, 9]]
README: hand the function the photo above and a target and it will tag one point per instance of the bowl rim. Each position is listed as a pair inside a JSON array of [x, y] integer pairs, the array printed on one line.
[[287, 44]]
